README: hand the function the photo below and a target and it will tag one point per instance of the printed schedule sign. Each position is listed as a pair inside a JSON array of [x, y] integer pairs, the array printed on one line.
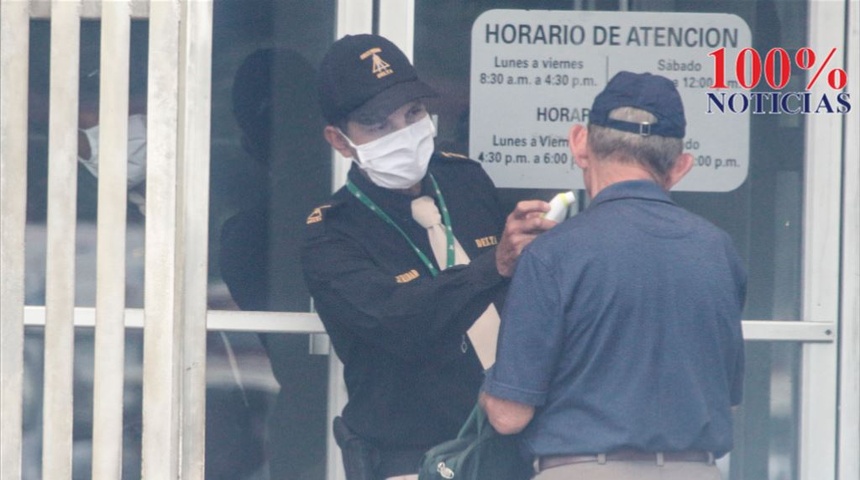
[[535, 74]]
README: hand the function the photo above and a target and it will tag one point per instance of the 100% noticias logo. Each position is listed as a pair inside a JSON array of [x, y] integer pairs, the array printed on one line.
[[777, 74]]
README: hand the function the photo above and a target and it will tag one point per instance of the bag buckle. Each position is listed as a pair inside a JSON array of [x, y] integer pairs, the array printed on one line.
[[444, 471]]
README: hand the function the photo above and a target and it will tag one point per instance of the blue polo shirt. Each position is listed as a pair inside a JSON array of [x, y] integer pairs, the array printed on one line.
[[622, 327]]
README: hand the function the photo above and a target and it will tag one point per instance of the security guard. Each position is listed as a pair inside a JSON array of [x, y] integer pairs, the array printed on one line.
[[398, 309]]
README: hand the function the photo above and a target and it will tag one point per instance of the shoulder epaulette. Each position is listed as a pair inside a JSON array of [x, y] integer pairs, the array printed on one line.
[[326, 210], [317, 215]]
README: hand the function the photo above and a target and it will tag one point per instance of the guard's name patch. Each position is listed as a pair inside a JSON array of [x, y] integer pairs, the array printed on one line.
[[487, 241], [317, 214], [407, 277]]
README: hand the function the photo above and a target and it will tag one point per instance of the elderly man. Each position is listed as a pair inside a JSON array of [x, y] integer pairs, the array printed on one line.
[[405, 263], [620, 354]]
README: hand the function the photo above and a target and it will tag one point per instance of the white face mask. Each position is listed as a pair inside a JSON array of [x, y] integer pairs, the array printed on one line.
[[136, 150], [398, 160]]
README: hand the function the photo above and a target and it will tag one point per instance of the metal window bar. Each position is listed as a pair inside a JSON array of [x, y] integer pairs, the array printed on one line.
[[353, 17], [57, 405], [820, 297], [195, 74], [849, 391], [176, 235], [397, 23], [291, 322], [14, 52], [160, 443], [111, 238]]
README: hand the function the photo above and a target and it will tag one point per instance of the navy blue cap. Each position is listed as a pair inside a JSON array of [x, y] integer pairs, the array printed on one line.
[[367, 77], [653, 93]]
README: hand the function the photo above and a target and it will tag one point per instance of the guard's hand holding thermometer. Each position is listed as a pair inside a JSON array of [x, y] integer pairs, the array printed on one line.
[[522, 226], [559, 206]]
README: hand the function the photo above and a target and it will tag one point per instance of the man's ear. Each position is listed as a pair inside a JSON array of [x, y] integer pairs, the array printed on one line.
[[338, 142], [682, 166], [577, 139]]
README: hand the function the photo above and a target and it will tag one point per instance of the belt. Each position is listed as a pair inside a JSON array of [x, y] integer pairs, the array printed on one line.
[[552, 461]]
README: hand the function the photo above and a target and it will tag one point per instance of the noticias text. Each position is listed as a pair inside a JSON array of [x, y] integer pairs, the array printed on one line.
[[793, 103]]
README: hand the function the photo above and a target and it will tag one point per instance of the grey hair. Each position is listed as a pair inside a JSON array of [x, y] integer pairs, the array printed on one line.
[[657, 154]]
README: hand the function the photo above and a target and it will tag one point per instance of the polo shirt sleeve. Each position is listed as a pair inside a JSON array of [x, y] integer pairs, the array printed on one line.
[[531, 335]]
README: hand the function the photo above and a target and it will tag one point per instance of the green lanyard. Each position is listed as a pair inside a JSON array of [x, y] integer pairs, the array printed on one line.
[[446, 219]]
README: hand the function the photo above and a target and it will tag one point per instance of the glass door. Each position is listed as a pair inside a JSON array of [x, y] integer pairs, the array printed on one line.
[[783, 212], [270, 168]]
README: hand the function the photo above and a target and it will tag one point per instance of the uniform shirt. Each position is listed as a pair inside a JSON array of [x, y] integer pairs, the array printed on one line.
[[623, 328], [411, 375]]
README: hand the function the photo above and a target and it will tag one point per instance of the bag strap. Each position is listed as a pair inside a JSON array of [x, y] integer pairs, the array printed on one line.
[[477, 423]]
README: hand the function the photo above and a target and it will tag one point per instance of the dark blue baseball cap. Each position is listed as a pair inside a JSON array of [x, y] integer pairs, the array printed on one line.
[[653, 93], [367, 77]]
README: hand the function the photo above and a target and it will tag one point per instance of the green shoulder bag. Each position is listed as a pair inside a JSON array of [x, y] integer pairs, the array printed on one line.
[[478, 453]]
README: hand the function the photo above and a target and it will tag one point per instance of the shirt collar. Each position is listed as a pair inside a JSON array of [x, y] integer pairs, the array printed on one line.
[[641, 189], [394, 203]]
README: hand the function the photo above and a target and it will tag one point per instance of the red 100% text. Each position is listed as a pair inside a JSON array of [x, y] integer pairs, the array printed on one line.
[[776, 68]]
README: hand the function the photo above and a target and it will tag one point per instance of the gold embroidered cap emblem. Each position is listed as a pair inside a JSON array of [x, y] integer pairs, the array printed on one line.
[[380, 67]]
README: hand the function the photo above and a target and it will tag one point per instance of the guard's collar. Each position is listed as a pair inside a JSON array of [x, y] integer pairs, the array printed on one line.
[[394, 203]]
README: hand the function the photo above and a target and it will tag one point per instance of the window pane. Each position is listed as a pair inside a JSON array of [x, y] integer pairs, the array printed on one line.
[[265, 407], [270, 163], [763, 215], [270, 168], [767, 422]]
